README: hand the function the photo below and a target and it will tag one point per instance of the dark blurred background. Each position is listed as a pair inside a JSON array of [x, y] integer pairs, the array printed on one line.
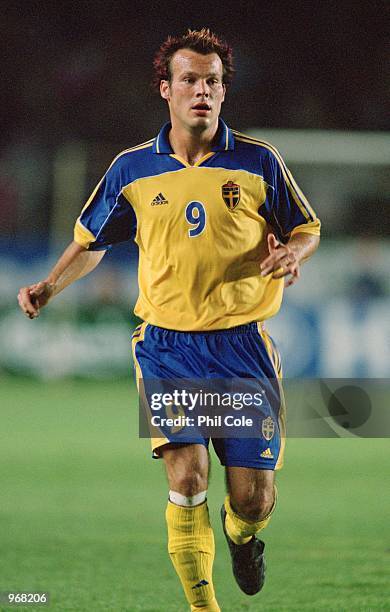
[[82, 69], [312, 77]]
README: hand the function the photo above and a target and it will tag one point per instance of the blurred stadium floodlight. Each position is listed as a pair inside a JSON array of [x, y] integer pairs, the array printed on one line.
[[329, 146]]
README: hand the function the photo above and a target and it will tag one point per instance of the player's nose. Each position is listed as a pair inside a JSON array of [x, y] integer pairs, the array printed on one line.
[[203, 88]]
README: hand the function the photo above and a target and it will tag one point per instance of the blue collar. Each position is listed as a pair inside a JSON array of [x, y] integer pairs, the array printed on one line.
[[224, 140]]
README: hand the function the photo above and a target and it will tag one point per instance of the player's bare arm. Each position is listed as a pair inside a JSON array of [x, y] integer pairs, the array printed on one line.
[[74, 263], [284, 260]]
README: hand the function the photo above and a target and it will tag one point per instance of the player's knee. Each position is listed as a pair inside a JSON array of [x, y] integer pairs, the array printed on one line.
[[253, 506], [190, 483]]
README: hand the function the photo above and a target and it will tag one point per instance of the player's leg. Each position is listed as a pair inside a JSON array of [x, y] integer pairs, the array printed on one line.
[[190, 536], [247, 510], [250, 502], [163, 356], [247, 354]]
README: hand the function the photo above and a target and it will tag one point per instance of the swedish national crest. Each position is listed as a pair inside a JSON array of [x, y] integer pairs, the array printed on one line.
[[231, 194], [268, 428]]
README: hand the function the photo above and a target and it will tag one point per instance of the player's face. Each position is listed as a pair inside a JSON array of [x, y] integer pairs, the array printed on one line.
[[196, 91]]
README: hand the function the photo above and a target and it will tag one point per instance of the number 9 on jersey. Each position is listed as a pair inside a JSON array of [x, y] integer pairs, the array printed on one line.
[[196, 216]]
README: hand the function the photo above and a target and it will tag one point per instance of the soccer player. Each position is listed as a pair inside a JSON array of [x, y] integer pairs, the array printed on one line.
[[221, 228]]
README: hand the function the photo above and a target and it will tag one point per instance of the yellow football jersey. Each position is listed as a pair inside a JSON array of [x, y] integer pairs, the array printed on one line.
[[201, 230]]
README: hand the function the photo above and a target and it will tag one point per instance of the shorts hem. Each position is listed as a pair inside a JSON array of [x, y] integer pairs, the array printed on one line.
[[156, 454], [249, 464]]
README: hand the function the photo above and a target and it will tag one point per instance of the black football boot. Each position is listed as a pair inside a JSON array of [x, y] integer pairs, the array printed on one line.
[[248, 561]]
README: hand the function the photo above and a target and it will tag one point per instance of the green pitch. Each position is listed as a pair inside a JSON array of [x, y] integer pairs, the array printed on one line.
[[82, 512]]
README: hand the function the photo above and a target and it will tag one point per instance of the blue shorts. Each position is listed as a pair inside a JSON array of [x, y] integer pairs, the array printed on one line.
[[243, 352]]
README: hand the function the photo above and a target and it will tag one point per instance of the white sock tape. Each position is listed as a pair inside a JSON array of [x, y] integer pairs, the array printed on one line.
[[182, 500]]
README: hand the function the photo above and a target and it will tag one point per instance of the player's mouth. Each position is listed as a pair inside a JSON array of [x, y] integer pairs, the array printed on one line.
[[202, 109]]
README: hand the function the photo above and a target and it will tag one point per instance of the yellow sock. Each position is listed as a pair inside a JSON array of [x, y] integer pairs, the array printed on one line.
[[191, 548], [238, 529]]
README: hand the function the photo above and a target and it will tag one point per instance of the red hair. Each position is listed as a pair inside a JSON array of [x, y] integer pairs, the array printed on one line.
[[202, 41]]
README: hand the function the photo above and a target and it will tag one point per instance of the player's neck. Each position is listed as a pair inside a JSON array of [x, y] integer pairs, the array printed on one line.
[[191, 145]]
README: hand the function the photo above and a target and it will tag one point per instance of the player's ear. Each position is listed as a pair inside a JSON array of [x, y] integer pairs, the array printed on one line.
[[164, 89], [224, 92]]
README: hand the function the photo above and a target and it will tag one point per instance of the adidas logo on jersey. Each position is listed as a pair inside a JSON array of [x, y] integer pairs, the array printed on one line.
[[267, 454], [159, 199]]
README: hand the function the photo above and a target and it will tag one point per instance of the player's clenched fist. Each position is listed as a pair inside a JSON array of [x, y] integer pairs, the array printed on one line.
[[281, 261], [32, 298]]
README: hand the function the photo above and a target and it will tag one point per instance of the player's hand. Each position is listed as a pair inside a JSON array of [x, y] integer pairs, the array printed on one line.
[[31, 299], [281, 261]]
